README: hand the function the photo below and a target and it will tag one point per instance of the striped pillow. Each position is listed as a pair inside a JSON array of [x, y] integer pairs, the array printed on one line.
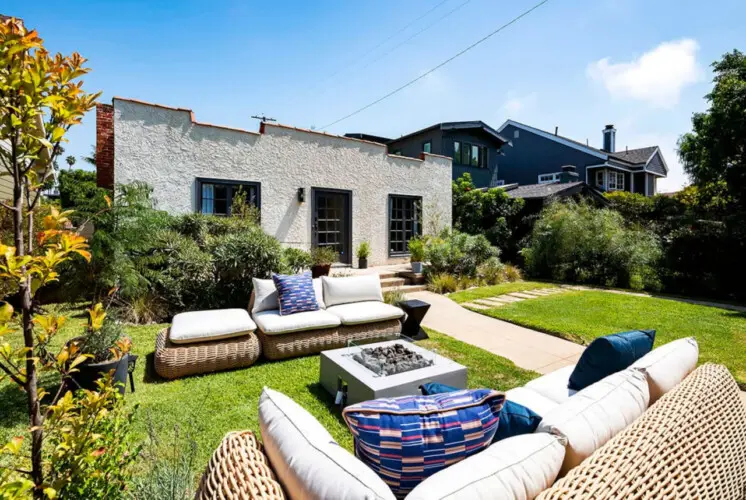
[[295, 293], [405, 440]]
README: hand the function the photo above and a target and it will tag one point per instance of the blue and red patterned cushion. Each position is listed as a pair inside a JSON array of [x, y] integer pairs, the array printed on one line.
[[295, 293], [405, 440]]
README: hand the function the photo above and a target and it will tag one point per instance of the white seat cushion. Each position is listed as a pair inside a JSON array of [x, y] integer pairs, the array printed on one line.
[[668, 365], [266, 297], [351, 289], [203, 326], [531, 399], [272, 323], [365, 312], [554, 385], [307, 460], [519, 467], [597, 413]]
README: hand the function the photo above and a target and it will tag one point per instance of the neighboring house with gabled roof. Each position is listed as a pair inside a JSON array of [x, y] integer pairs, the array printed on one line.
[[536, 156]]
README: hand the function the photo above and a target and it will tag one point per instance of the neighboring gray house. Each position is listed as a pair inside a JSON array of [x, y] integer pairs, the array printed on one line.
[[474, 147], [312, 188], [537, 157]]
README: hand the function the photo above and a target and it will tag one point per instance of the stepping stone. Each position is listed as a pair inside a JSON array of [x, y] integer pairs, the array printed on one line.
[[490, 302], [473, 305], [508, 298], [522, 295], [501, 298], [534, 293]]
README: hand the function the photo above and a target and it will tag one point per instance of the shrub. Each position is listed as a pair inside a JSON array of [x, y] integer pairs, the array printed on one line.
[[443, 283], [579, 243], [363, 250], [393, 297], [79, 191], [458, 253], [295, 260], [491, 271], [416, 250], [512, 273], [239, 257]]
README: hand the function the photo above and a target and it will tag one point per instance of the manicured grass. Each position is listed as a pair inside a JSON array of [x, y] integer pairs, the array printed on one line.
[[583, 316], [495, 290], [208, 406]]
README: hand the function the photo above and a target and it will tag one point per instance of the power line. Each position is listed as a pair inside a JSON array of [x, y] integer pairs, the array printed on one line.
[[399, 89], [352, 62]]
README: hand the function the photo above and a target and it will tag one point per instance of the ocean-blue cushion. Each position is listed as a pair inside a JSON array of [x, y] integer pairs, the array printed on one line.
[[405, 440], [515, 419], [608, 355], [295, 293]]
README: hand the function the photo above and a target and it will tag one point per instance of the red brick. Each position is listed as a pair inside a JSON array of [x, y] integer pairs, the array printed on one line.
[[105, 146]]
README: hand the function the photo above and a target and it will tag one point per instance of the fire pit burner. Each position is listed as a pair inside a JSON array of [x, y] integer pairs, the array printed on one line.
[[391, 359]]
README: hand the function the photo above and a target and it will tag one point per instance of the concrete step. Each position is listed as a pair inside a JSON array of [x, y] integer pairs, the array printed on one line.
[[474, 305], [387, 275], [406, 288], [413, 278], [387, 283]]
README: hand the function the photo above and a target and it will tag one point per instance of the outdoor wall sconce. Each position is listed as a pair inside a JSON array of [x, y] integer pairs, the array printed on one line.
[[301, 195]]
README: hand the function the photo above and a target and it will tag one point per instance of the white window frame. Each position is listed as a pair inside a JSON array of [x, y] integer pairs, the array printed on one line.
[[548, 178], [616, 181]]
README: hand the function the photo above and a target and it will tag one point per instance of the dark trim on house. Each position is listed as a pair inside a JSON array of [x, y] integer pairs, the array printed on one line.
[[429, 144], [478, 124], [418, 217], [227, 182], [348, 218]]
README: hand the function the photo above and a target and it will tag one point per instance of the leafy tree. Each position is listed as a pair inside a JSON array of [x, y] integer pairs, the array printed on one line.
[[41, 97], [79, 192], [70, 160], [715, 150]]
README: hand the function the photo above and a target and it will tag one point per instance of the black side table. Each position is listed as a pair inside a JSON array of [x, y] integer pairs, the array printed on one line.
[[415, 311]]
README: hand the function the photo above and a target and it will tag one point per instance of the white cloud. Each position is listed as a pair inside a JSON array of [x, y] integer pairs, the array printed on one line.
[[656, 77], [515, 104]]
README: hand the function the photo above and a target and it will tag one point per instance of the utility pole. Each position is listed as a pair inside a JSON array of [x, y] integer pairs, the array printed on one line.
[[263, 118]]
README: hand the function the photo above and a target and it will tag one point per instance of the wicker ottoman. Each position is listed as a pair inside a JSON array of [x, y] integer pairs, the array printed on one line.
[[179, 360], [239, 469]]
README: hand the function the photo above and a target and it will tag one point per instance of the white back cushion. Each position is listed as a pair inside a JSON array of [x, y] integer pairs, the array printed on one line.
[[351, 289], [520, 467], [554, 385], [267, 299], [265, 295], [203, 326], [668, 365], [531, 399], [597, 413], [307, 460]]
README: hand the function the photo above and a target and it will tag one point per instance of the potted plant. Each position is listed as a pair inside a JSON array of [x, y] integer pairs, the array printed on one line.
[[416, 254], [106, 349], [322, 259], [363, 252]]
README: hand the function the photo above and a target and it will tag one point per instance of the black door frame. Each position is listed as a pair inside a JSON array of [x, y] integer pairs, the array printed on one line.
[[348, 219]]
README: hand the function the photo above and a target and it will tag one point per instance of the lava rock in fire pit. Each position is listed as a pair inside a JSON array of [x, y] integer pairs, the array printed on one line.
[[391, 359]]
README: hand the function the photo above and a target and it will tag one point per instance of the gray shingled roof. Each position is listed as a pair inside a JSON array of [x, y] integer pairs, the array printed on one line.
[[634, 156], [541, 190]]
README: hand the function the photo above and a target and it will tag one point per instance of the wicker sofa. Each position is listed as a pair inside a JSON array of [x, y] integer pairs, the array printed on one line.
[[690, 443], [350, 309]]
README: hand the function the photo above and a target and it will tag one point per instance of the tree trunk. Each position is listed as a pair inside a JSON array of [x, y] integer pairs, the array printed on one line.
[[35, 419]]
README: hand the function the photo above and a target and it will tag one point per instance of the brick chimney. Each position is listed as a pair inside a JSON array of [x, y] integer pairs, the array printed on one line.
[[609, 138], [105, 146]]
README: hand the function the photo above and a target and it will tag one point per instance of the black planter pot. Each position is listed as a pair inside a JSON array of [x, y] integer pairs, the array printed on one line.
[[362, 263], [89, 373], [320, 270]]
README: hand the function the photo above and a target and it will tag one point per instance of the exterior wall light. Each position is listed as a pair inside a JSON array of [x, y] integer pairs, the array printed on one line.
[[301, 195]]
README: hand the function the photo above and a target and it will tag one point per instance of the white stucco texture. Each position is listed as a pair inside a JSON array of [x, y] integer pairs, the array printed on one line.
[[168, 150]]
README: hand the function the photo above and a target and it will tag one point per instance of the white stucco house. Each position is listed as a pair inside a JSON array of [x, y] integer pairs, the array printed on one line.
[[312, 188]]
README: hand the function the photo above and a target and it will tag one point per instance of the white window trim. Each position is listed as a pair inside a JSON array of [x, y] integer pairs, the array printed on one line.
[[555, 176], [615, 181]]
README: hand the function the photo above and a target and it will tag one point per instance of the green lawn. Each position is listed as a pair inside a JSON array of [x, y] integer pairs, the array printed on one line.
[[581, 316], [209, 406], [495, 290]]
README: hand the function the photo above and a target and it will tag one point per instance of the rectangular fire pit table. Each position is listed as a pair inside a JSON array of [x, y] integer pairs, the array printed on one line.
[[340, 372]]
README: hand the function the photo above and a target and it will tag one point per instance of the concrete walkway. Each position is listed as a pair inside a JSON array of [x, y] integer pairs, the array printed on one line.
[[526, 348]]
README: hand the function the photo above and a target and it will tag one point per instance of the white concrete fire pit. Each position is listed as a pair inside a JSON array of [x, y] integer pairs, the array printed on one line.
[[359, 372]]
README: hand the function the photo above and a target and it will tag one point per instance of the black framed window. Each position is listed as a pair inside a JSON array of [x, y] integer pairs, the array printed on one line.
[[404, 222], [427, 147], [457, 151], [469, 154], [215, 196]]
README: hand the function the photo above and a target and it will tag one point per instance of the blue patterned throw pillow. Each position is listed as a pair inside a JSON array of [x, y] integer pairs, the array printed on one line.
[[295, 293], [405, 440]]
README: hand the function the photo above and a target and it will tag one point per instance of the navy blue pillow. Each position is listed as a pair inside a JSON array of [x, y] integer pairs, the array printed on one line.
[[295, 293], [610, 354], [515, 419]]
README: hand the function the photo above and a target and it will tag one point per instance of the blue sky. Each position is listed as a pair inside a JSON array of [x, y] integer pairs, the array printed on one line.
[[575, 64]]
